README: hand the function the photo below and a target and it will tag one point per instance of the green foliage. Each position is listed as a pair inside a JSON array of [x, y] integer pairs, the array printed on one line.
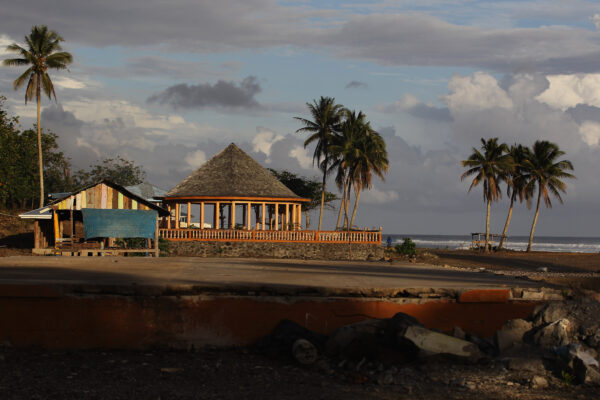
[[19, 177], [407, 248], [305, 187], [120, 171], [567, 378]]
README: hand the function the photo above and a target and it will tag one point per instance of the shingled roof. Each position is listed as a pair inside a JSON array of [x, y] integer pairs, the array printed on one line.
[[231, 173]]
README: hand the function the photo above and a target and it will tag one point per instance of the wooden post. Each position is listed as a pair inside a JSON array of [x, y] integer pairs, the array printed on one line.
[[202, 215], [264, 212], [248, 216], [156, 239], [169, 217], [294, 215], [189, 215], [56, 228], [232, 215], [36, 234], [216, 221], [276, 216], [177, 215], [287, 216]]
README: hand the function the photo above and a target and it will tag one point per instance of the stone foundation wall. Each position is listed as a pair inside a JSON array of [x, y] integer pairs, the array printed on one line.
[[305, 251]]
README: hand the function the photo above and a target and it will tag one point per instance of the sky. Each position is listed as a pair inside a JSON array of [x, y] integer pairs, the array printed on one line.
[[169, 84]]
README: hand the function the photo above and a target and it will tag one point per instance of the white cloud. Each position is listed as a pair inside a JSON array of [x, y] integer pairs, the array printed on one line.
[[264, 140], [68, 83], [301, 155], [590, 132], [596, 21], [476, 92], [376, 196], [5, 41], [195, 159], [567, 91]]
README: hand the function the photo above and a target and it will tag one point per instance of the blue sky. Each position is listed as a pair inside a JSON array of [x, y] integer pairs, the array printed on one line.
[[170, 84]]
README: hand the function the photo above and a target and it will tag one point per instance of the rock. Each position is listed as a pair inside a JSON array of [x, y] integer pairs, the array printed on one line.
[[551, 312], [457, 332], [304, 352], [530, 364], [386, 378], [542, 269], [484, 345], [585, 373], [348, 338], [538, 382], [557, 333], [435, 342], [511, 333]]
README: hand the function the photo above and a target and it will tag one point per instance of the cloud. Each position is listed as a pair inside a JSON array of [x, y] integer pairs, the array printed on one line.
[[195, 159], [476, 92], [590, 131], [356, 85], [222, 94], [413, 106], [302, 156], [567, 91], [596, 21], [376, 196], [68, 83], [264, 140]]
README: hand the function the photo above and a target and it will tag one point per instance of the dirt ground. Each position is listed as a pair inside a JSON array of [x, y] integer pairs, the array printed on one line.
[[245, 374]]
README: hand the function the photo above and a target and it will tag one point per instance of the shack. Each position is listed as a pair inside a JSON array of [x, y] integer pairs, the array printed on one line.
[[94, 220]]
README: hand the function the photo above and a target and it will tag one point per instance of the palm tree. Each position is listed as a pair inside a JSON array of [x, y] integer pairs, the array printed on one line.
[[543, 169], [326, 120], [372, 159], [42, 51], [488, 168], [515, 183]]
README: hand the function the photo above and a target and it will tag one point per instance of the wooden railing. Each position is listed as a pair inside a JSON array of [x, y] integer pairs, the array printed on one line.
[[271, 236]]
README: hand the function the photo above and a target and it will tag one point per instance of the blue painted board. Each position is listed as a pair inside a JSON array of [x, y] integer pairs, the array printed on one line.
[[118, 223]]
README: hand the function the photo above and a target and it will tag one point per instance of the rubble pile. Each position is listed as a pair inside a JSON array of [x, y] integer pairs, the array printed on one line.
[[557, 345]]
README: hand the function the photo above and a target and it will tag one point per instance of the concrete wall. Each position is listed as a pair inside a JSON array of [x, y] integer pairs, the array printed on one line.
[[308, 251]]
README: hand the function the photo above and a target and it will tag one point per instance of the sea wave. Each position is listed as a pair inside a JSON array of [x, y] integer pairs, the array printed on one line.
[[552, 244]]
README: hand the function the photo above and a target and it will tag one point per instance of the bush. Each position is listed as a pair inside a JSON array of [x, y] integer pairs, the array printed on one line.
[[408, 247]]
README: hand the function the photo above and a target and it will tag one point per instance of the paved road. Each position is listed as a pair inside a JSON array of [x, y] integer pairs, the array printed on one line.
[[294, 276]]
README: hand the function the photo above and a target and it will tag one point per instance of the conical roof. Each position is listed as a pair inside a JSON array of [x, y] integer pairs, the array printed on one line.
[[231, 173]]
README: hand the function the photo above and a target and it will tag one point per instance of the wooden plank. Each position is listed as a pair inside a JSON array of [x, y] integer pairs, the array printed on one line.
[[98, 194], [115, 199], [264, 212], [134, 205], [83, 199], [120, 201], [189, 215], [202, 215], [109, 193], [104, 195]]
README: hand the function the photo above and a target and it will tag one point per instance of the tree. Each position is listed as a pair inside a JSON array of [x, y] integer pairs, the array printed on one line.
[[19, 183], [516, 183], [358, 153], [120, 171], [326, 120], [542, 169], [489, 168], [42, 52], [307, 188]]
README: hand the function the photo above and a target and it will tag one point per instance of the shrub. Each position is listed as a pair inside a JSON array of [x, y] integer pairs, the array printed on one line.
[[408, 247]]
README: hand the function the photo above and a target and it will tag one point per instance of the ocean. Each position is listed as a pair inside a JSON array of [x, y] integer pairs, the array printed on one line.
[[540, 243]]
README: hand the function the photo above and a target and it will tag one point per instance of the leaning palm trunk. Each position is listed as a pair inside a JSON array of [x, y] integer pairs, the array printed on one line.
[[510, 210], [39, 139], [323, 197], [535, 218], [487, 225], [346, 219], [342, 206], [358, 190]]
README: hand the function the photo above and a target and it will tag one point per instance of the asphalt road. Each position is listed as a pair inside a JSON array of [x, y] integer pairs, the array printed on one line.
[[244, 274]]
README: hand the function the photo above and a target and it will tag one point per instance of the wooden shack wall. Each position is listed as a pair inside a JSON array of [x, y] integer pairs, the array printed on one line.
[[100, 196]]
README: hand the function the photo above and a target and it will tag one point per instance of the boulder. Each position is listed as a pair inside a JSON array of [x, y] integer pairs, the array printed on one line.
[[457, 332], [550, 312], [511, 334], [439, 343], [538, 382], [304, 352], [557, 333]]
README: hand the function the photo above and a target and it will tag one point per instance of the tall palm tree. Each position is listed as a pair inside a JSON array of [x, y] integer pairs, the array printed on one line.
[[488, 168], [43, 51], [515, 183], [325, 123], [372, 159], [545, 171]]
